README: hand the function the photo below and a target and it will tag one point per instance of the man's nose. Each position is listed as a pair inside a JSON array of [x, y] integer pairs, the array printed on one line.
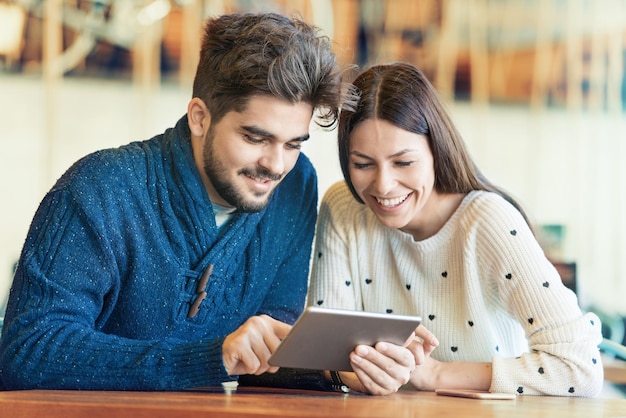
[[273, 160]]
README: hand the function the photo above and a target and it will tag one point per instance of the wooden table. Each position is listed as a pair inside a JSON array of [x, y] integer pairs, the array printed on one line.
[[282, 403]]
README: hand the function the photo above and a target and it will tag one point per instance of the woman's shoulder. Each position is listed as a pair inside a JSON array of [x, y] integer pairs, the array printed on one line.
[[491, 216], [489, 206], [338, 191], [483, 197], [340, 204], [339, 197]]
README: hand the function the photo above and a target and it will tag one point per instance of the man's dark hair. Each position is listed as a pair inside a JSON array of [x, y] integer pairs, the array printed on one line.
[[245, 55]]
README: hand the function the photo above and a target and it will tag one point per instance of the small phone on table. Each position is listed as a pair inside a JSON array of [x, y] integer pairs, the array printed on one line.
[[474, 394]]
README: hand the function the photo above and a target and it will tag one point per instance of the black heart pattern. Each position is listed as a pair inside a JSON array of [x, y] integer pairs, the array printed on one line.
[[389, 310], [571, 390], [508, 276], [408, 286], [530, 321], [520, 390], [319, 255], [444, 274], [319, 302], [513, 232], [540, 370], [368, 281], [546, 284], [348, 283], [471, 323], [431, 317], [454, 349]]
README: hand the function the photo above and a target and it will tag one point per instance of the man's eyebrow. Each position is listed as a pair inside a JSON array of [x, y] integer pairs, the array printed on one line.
[[397, 154], [255, 130]]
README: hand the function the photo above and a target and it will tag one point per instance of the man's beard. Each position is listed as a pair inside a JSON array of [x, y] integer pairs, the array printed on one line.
[[216, 172]]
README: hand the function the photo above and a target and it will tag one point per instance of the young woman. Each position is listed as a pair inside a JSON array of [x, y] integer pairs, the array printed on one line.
[[416, 229]]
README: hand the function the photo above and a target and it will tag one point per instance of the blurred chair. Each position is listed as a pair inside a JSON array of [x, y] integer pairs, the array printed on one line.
[[12, 23], [487, 34], [410, 34], [613, 326], [573, 51], [567, 271], [580, 54], [613, 363], [613, 349]]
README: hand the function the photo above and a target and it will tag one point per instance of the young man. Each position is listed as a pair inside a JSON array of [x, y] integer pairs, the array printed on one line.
[[179, 261]]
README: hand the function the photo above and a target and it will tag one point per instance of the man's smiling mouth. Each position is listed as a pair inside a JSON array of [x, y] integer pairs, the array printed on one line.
[[260, 179]]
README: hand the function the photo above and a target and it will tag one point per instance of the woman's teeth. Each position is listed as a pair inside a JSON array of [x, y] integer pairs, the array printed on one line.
[[391, 202]]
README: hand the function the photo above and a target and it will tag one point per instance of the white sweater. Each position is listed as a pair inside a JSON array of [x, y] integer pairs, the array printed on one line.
[[482, 285]]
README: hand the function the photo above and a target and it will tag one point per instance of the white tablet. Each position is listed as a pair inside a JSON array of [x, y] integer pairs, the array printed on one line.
[[322, 339]]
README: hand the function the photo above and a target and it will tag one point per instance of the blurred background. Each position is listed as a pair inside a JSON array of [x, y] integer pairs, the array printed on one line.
[[536, 87]]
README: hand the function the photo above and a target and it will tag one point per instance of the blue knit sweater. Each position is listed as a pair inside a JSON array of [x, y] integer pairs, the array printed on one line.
[[111, 263]]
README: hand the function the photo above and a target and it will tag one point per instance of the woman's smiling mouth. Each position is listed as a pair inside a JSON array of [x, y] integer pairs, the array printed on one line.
[[390, 203]]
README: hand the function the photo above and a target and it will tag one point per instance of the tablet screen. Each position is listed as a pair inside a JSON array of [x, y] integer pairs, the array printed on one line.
[[322, 339]]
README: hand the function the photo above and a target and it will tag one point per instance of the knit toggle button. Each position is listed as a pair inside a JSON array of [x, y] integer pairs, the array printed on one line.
[[195, 306], [200, 291]]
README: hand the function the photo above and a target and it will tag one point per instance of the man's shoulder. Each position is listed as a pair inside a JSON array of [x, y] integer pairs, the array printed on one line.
[[110, 167], [304, 168], [302, 179]]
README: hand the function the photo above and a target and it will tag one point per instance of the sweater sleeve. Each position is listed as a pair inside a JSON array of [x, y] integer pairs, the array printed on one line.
[[63, 291], [563, 357]]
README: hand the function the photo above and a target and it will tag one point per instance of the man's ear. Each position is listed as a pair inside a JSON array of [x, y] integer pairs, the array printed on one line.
[[198, 117]]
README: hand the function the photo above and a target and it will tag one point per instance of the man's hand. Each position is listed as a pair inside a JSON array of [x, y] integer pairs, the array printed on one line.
[[247, 350]]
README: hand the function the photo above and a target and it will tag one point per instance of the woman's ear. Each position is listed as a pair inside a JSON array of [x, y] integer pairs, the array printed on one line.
[[198, 117]]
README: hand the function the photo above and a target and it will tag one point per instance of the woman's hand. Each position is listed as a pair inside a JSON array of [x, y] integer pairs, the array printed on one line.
[[421, 345], [430, 374], [384, 368], [379, 370]]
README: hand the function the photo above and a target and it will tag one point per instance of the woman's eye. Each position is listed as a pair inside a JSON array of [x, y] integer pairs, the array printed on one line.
[[361, 166], [404, 163]]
